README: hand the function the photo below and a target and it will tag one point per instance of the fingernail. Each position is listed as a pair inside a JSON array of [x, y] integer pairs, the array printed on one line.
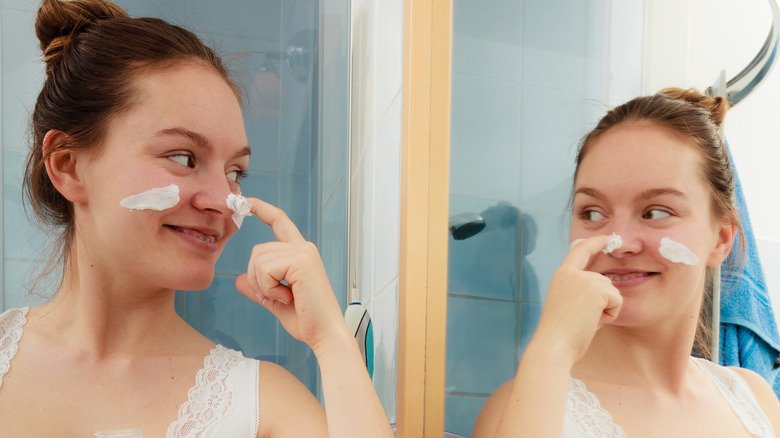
[[282, 301], [265, 300]]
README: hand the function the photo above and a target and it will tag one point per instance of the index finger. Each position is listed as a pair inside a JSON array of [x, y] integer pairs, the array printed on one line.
[[580, 255], [284, 229]]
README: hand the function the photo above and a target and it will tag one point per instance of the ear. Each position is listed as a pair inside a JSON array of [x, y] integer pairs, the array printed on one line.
[[726, 234], [61, 166]]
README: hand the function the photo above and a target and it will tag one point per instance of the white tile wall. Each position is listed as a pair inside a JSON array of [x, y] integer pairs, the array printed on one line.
[[377, 49]]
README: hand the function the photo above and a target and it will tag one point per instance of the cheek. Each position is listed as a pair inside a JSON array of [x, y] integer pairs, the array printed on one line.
[[677, 252], [158, 198]]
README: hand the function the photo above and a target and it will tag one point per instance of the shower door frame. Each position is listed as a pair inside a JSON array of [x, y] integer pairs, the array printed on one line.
[[425, 146]]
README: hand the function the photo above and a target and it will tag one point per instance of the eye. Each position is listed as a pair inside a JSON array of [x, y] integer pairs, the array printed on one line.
[[655, 213], [184, 159], [591, 215], [236, 175]]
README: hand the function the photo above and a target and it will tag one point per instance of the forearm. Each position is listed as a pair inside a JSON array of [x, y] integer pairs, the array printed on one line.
[[537, 402], [352, 406]]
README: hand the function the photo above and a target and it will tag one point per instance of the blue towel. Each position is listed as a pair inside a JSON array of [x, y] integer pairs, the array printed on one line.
[[748, 330]]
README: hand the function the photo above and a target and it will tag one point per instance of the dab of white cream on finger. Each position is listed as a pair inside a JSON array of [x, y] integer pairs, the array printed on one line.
[[161, 198], [240, 207], [676, 252], [614, 242]]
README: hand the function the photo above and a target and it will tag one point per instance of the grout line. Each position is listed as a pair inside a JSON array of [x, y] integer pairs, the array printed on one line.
[[333, 193], [381, 291]]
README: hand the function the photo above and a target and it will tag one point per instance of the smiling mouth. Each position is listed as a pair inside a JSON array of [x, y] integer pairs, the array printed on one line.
[[626, 277], [204, 237]]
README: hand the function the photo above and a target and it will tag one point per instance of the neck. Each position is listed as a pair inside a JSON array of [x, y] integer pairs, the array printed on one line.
[[106, 314], [654, 357]]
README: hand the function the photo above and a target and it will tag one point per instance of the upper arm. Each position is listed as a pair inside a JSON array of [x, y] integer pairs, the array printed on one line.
[[766, 398], [490, 415], [287, 407]]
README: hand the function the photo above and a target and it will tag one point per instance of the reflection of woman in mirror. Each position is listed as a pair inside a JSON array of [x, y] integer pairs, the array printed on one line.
[[653, 213], [138, 149]]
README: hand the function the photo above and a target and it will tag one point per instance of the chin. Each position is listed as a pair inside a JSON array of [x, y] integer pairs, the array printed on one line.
[[194, 278]]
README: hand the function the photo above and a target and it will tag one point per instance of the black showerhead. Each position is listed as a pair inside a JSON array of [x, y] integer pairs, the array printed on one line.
[[465, 225]]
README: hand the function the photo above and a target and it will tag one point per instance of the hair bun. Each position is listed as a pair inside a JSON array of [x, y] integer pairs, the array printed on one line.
[[58, 22], [716, 106]]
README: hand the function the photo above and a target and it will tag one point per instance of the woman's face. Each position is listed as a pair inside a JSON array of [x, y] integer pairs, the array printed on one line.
[[646, 185], [185, 129]]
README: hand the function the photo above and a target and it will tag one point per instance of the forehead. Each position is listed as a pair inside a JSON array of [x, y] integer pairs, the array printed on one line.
[[640, 156], [192, 96]]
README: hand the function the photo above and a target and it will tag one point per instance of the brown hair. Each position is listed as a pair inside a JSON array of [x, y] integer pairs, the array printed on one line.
[[93, 50], [697, 118]]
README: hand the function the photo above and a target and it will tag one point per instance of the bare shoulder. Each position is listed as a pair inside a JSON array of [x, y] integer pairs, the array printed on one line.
[[284, 404], [490, 415], [765, 396]]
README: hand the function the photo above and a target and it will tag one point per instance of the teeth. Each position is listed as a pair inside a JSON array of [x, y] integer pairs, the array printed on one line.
[[209, 239], [625, 277]]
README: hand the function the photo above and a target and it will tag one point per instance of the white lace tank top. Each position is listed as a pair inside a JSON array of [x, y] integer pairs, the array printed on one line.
[[585, 418], [222, 403]]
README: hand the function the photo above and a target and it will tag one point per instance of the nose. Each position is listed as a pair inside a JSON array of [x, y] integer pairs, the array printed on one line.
[[629, 232], [210, 194]]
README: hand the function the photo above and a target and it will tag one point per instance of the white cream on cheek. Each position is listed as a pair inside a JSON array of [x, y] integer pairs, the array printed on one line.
[[676, 252], [240, 207], [161, 198]]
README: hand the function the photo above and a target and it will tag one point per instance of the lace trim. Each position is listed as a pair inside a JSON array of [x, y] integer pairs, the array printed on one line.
[[591, 419], [11, 323], [726, 382], [211, 399]]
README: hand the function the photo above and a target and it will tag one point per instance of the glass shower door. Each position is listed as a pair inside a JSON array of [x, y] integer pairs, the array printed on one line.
[[291, 59]]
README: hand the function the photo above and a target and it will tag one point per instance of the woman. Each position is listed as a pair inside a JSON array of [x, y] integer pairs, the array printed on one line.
[[653, 212], [138, 150]]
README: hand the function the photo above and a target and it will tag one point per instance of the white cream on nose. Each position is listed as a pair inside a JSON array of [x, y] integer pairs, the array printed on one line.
[[240, 207], [613, 243], [161, 198]]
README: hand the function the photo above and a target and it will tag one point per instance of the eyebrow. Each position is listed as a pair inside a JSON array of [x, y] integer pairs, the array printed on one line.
[[647, 194], [199, 139]]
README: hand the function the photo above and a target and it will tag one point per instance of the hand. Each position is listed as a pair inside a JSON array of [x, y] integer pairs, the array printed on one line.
[[306, 305], [578, 301]]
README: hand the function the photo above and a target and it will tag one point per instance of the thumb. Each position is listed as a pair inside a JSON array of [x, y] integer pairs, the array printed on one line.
[[243, 286]]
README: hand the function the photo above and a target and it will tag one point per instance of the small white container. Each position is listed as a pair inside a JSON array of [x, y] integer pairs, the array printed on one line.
[[127, 433]]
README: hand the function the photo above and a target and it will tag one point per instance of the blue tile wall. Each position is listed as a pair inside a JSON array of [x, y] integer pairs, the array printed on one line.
[[486, 265], [563, 42], [461, 412], [527, 85], [481, 344], [23, 74], [485, 146]]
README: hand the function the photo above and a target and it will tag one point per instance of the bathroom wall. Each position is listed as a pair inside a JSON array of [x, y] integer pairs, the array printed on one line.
[[713, 35], [377, 38], [296, 120], [528, 80]]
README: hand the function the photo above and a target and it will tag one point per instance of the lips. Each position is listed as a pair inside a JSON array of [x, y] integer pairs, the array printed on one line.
[[207, 236], [628, 277]]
